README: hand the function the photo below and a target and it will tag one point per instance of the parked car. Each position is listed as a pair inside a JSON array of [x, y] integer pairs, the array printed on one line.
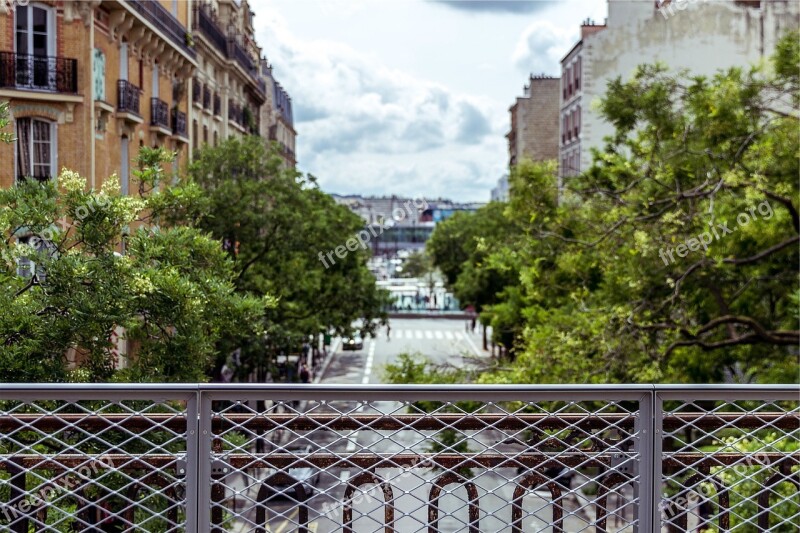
[[306, 476], [353, 343]]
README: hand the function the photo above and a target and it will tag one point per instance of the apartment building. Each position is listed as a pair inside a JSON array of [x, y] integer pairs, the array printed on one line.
[[91, 81], [682, 35], [534, 121]]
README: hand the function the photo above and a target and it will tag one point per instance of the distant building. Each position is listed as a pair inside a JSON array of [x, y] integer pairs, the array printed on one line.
[[400, 223], [703, 37], [534, 122], [500, 192]]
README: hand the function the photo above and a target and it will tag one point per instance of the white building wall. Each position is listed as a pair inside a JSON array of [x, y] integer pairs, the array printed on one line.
[[701, 36]]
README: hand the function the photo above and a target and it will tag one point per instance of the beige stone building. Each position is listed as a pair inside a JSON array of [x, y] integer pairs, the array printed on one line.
[[91, 81], [534, 122]]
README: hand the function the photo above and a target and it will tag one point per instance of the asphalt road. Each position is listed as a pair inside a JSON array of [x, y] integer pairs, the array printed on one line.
[[445, 341]]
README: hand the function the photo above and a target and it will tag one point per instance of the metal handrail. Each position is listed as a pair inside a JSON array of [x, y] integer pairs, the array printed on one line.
[[127, 97], [39, 73]]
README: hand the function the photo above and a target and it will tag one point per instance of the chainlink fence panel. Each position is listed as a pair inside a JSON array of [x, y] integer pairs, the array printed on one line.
[[269, 458]]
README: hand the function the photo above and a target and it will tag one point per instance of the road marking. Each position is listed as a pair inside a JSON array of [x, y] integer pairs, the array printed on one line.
[[409, 334], [428, 334], [449, 335], [438, 334], [419, 334], [344, 476], [459, 335], [472, 345], [351, 444], [370, 360]]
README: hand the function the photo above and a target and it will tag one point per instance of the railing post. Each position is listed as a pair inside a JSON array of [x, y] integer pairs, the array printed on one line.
[[204, 436], [645, 489], [193, 508]]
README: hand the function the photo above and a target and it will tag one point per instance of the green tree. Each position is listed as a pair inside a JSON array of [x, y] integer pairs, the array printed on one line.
[[279, 228], [65, 288], [673, 258]]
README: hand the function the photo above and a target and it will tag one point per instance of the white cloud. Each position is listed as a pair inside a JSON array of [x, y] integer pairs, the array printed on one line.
[[364, 127], [542, 46]]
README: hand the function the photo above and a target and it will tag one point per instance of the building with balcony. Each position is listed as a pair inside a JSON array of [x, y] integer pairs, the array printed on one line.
[[682, 35], [228, 91], [89, 82], [277, 117], [534, 122]]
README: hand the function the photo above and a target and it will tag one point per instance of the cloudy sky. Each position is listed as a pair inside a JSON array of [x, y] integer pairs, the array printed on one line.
[[411, 97]]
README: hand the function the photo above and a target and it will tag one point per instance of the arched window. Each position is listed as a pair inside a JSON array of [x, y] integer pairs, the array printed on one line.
[[36, 149]]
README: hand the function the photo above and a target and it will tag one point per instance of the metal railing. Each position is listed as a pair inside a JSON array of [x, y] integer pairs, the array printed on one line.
[[127, 97], [217, 105], [159, 113], [161, 18], [38, 73], [240, 55], [178, 122], [399, 458], [204, 21]]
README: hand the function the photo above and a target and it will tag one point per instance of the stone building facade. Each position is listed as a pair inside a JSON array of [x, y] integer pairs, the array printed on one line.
[[91, 81], [534, 122]]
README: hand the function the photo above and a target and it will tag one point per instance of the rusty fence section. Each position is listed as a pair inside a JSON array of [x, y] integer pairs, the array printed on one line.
[[213, 458]]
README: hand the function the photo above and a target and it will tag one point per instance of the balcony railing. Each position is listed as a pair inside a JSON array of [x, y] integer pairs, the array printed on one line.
[[165, 21], [197, 90], [38, 73], [217, 105], [159, 113], [209, 28], [179, 123], [370, 459], [240, 55], [127, 97], [206, 97], [235, 113]]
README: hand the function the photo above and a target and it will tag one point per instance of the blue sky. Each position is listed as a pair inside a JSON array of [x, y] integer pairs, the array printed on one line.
[[411, 97]]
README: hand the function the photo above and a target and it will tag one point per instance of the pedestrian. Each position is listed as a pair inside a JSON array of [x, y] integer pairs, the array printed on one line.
[[305, 373], [388, 332], [473, 325]]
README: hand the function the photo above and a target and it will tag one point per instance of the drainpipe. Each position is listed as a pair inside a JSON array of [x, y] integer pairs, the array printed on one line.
[[92, 96]]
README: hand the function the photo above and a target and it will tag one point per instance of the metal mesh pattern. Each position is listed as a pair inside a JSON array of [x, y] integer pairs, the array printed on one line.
[[92, 463], [468, 462], [730, 464], [210, 459]]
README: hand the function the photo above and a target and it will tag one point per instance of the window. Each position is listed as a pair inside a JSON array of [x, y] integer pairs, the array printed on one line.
[[578, 74], [36, 154], [569, 81], [99, 74], [34, 44], [155, 80]]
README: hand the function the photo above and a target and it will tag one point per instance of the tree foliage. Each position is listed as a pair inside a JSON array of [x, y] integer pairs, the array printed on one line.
[[277, 225], [673, 258], [65, 287]]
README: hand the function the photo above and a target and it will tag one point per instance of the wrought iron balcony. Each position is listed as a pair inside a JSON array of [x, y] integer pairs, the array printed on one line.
[[178, 123], [127, 97], [204, 21], [38, 73], [235, 113], [206, 97], [159, 113], [161, 18], [217, 105], [240, 55], [376, 458], [197, 90]]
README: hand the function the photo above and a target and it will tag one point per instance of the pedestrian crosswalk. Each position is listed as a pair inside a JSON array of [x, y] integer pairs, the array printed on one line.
[[419, 334]]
